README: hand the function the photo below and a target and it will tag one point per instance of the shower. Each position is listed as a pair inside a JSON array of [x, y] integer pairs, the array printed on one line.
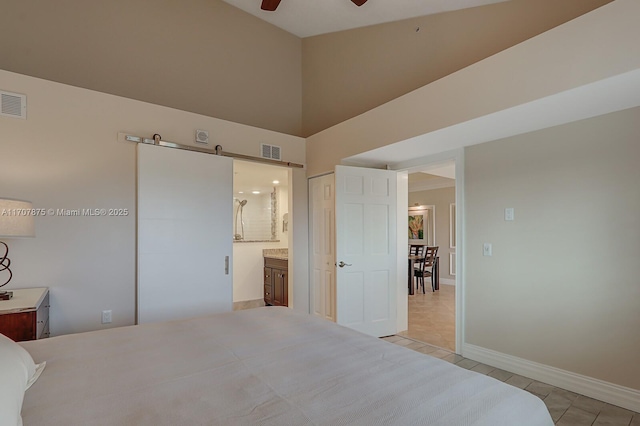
[[239, 236]]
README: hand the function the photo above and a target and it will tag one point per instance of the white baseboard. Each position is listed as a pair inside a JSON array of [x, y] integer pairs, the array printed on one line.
[[447, 281], [248, 304], [604, 391]]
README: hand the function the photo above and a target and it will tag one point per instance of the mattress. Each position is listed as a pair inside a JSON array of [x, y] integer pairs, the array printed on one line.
[[266, 366]]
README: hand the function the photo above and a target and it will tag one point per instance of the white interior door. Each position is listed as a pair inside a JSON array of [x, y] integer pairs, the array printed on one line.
[[185, 233], [366, 244], [323, 269]]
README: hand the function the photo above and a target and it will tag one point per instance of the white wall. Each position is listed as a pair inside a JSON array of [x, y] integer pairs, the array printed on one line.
[[299, 241], [563, 284], [283, 208], [256, 217], [403, 241], [66, 155]]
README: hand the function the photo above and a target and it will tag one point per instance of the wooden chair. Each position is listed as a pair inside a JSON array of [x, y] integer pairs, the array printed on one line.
[[417, 250], [426, 268]]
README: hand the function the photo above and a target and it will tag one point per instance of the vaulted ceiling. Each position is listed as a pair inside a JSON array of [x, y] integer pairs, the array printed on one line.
[[306, 18]]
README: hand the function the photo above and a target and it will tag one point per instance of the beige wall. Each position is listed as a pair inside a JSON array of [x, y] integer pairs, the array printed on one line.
[[203, 56], [66, 155], [350, 72], [441, 198], [563, 284], [208, 57], [537, 74]]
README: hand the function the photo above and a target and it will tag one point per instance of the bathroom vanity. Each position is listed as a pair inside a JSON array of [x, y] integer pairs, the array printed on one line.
[[276, 281]]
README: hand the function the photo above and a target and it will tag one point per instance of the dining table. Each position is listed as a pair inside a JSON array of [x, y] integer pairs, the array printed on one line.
[[436, 272]]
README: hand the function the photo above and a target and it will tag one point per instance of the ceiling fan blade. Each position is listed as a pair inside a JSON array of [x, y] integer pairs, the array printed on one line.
[[271, 5], [359, 2]]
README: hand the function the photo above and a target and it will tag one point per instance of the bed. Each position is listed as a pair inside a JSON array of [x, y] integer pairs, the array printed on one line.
[[266, 366]]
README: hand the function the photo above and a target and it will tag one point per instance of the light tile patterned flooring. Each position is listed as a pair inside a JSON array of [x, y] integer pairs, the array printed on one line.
[[566, 408], [432, 317]]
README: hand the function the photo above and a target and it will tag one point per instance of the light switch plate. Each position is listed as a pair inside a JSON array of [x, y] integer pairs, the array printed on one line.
[[487, 249], [509, 213]]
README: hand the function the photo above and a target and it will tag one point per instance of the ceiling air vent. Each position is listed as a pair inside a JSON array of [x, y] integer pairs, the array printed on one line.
[[270, 151], [13, 105]]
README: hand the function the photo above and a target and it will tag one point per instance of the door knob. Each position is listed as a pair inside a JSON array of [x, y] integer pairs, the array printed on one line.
[[342, 264]]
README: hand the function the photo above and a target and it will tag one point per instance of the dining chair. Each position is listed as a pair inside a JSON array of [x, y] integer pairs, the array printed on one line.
[[417, 250], [426, 268]]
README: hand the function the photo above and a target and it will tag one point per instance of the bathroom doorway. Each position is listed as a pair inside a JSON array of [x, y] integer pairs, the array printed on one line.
[[261, 230]]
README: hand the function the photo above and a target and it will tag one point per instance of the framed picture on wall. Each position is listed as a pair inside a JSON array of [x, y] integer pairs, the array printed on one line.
[[421, 225]]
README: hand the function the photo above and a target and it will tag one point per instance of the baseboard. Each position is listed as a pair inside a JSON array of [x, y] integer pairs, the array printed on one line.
[[248, 304], [447, 281], [604, 391]]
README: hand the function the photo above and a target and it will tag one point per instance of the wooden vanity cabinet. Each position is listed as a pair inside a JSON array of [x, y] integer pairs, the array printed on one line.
[[276, 282]]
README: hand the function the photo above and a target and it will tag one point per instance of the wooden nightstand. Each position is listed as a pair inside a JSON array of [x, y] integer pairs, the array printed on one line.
[[26, 316]]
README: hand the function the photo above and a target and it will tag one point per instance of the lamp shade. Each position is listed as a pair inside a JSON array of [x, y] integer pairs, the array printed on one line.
[[16, 219]]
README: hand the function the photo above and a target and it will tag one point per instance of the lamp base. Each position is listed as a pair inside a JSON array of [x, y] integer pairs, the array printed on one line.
[[6, 295]]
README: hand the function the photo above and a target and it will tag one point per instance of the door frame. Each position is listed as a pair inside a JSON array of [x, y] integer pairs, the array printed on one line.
[[402, 240], [457, 156], [311, 205]]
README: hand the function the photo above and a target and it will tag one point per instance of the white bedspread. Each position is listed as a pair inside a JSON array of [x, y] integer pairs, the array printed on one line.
[[267, 366]]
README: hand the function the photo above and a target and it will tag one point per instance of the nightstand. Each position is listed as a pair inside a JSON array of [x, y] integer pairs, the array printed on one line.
[[26, 316]]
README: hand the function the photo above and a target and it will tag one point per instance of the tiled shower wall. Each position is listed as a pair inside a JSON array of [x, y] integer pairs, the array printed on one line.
[[257, 216]]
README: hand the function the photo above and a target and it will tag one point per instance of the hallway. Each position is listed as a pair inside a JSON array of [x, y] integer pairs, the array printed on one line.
[[432, 317]]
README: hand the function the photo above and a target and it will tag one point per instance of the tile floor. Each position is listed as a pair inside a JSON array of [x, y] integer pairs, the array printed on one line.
[[432, 317], [566, 408]]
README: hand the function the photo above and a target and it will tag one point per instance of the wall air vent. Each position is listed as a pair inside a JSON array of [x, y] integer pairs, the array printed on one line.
[[272, 152], [13, 105], [202, 136]]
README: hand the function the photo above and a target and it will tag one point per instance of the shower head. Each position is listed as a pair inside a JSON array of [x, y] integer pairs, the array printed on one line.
[[241, 204]]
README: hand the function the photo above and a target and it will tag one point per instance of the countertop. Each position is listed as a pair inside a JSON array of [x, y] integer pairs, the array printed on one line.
[[277, 253], [256, 241]]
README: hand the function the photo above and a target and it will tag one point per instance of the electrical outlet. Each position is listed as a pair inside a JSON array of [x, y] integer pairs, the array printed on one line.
[[487, 249], [106, 317]]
